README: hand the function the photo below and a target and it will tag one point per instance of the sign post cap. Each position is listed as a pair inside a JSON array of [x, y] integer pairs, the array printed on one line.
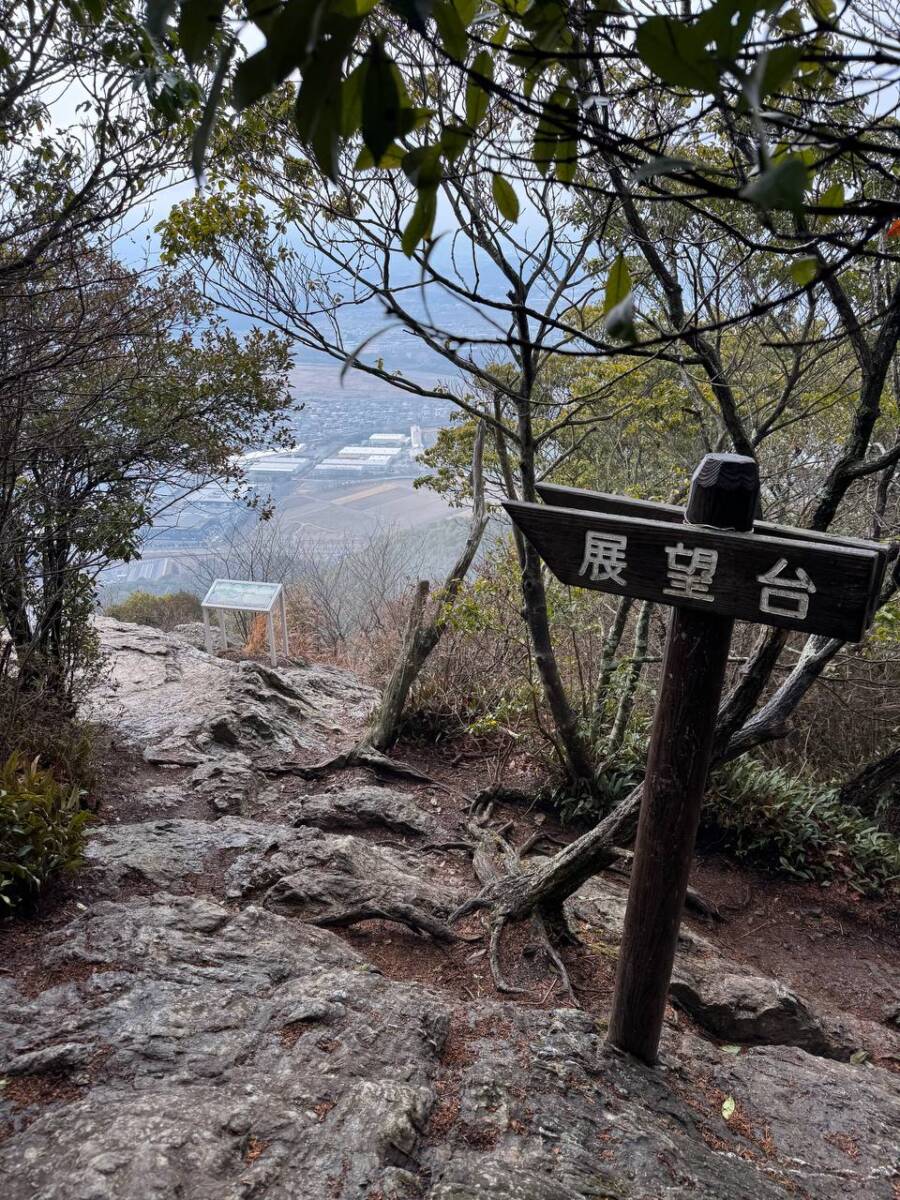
[[724, 492]]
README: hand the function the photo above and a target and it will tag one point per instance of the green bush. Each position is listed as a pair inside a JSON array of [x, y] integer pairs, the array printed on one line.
[[162, 612], [41, 830], [800, 828]]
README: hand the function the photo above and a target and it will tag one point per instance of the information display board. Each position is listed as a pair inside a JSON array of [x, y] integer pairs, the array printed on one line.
[[245, 595]]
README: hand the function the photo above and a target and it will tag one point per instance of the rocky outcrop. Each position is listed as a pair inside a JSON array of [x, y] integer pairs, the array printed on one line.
[[362, 808], [189, 1032], [208, 1053], [184, 707]]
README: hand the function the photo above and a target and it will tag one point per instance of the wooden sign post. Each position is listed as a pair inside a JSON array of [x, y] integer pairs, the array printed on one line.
[[713, 564]]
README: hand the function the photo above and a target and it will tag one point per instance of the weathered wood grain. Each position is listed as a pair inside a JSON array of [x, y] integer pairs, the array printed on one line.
[[693, 671], [846, 575]]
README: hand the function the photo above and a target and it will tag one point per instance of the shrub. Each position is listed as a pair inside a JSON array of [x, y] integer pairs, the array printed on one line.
[[41, 830], [162, 612], [38, 725], [800, 828]]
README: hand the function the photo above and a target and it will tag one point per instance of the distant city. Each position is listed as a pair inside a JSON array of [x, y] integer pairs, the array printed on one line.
[[349, 471]]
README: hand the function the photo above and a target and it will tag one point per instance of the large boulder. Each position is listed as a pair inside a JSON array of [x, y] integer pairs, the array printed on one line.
[[182, 706]]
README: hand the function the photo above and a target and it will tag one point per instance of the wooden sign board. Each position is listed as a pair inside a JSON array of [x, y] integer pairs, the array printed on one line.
[[713, 562], [817, 585], [626, 506]]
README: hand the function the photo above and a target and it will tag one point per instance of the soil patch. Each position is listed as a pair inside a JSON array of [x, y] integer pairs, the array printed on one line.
[[827, 943]]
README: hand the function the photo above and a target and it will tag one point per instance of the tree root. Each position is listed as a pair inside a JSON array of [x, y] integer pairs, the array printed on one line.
[[401, 914], [359, 756], [694, 901], [482, 805], [496, 862], [547, 942]]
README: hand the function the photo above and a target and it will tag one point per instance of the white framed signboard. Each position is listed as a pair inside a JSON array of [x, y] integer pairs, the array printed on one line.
[[245, 595]]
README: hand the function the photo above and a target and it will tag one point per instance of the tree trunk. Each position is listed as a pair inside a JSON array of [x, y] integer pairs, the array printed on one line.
[[578, 761], [607, 661], [874, 781], [635, 667]]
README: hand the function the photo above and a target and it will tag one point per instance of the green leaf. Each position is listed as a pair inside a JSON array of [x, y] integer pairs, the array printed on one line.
[[726, 23], [781, 187], [208, 118], [320, 112], [781, 64], [414, 12], [618, 284], [600, 11], [451, 29], [422, 167], [790, 21], [466, 10], [391, 159], [197, 23], [352, 100], [556, 124], [728, 1107], [505, 198], [731, 1049], [477, 98], [832, 197], [158, 12], [353, 8], [254, 78], [383, 102], [822, 10], [566, 160], [421, 222], [676, 53], [804, 270], [454, 139]]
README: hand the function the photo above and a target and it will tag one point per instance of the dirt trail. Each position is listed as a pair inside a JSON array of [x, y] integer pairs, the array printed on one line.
[[175, 1022]]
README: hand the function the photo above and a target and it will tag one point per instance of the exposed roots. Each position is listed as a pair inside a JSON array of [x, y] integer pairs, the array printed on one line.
[[554, 955], [401, 914], [500, 982], [694, 901], [481, 808], [498, 866], [359, 756]]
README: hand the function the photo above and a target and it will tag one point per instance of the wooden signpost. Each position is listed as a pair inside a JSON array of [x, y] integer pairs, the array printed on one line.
[[713, 563]]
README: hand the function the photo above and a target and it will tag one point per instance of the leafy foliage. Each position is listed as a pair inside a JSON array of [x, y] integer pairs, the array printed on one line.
[[146, 396], [799, 828], [41, 830], [361, 63], [162, 612]]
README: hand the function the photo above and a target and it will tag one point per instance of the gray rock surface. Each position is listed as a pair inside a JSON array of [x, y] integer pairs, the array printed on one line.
[[183, 706], [228, 783], [188, 1034], [362, 808], [734, 1002], [214, 1053], [303, 871], [739, 1006], [194, 633]]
